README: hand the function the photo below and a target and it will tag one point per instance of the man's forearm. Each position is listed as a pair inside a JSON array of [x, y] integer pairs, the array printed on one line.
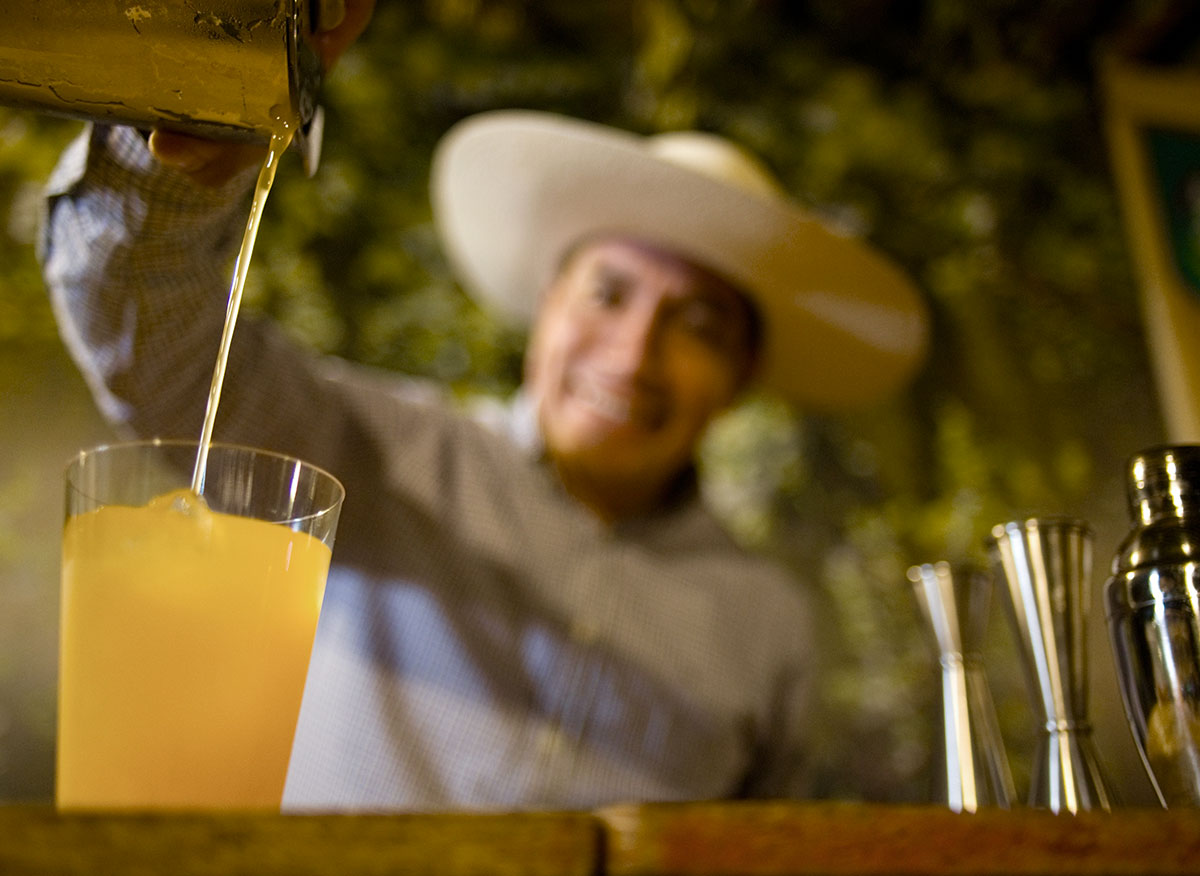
[[136, 259]]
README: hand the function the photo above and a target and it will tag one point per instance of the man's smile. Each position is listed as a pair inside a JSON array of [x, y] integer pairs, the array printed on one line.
[[617, 401]]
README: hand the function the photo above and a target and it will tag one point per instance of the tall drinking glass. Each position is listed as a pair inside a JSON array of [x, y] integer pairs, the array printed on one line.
[[187, 624]]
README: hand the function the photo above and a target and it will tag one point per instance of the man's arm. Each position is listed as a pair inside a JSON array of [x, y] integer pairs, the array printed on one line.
[[136, 258]]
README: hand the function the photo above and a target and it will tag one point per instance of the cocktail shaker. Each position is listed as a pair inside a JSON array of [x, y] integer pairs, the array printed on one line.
[[954, 601], [1045, 564], [217, 68], [1152, 614]]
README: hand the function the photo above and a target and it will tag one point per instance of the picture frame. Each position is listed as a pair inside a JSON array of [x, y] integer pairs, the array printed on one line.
[[1152, 128]]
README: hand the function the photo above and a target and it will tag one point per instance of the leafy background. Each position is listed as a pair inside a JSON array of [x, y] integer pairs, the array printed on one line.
[[963, 139]]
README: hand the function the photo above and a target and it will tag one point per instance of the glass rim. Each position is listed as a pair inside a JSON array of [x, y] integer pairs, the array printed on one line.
[[132, 444]]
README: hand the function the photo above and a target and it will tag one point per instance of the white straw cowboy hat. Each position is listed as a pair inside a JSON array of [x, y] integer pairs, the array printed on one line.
[[512, 190]]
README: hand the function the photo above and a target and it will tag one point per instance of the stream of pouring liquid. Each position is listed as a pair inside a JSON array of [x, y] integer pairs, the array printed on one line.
[[279, 143]]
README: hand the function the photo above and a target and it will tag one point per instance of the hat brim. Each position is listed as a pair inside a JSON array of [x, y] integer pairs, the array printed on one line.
[[512, 190]]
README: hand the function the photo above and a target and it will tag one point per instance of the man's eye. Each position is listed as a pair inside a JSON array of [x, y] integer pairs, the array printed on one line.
[[703, 322], [606, 293]]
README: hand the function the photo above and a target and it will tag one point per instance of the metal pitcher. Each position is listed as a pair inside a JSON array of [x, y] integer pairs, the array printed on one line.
[[217, 68]]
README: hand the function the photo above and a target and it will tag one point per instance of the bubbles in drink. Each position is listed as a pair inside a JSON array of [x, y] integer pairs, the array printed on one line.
[[181, 501], [183, 508]]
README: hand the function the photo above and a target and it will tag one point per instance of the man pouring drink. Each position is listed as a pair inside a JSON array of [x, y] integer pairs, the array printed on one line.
[[528, 605]]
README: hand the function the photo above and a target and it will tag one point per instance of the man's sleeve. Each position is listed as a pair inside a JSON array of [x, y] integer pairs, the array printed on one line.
[[135, 257]]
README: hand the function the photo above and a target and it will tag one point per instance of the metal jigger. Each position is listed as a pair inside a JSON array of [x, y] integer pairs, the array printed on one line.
[[954, 603], [1046, 564]]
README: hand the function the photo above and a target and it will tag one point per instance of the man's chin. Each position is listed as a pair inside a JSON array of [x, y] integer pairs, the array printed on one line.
[[634, 467]]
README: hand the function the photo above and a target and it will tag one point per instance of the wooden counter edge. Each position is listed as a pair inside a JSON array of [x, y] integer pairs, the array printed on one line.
[[796, 839], [38, 840], [687, 839]]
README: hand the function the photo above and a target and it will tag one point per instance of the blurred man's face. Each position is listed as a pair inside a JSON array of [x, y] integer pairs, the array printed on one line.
[[633, 353]]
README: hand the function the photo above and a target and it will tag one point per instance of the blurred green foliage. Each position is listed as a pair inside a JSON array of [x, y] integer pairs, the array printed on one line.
[[963, 139]]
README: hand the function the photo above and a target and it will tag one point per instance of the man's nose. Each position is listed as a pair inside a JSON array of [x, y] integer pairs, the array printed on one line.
[[636, 342]]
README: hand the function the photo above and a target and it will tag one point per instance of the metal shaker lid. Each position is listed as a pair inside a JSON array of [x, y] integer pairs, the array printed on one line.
[[1164, 481]]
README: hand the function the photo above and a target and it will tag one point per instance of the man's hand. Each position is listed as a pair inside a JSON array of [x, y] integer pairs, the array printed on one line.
[[331, 42], [214, 162], [210, 163]]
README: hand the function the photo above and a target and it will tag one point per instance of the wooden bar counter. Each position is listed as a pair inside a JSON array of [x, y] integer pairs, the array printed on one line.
[[37, 840], [781, 839], [695, 839]]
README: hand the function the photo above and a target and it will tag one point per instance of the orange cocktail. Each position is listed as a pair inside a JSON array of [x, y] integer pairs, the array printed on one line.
[[186, 634]]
